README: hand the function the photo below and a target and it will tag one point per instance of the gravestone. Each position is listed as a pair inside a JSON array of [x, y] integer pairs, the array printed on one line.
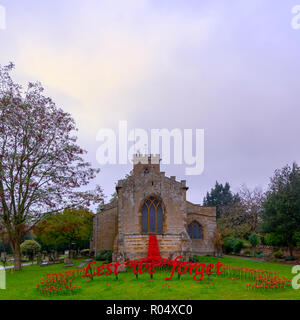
[[84, 263], [46, 263], [51, 256], [71, 254], [68, 261]]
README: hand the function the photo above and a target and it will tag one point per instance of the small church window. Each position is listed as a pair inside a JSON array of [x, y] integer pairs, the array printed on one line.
[[152, 216], [195, 230]]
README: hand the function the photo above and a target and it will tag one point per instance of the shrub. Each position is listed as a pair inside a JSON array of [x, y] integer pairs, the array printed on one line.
[[233, 245], [260, 254], [254, 240], [238, 246], [104, 255], [290, 258], [193, 259], [30, 247], [273, 239], [228, 245], [278, 254], [247, 252], [85, 252]]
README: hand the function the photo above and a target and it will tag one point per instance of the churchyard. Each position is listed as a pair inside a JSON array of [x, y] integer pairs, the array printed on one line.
[[23, 284]]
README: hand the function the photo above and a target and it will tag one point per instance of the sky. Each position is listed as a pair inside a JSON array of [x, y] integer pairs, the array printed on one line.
[[229, 67]]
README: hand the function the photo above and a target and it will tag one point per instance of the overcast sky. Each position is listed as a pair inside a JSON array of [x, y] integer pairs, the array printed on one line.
[[231, 68]]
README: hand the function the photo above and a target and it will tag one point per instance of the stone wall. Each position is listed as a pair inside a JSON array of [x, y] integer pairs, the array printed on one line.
[[206, 217], [135, 245], [270, 249], [104, 231]]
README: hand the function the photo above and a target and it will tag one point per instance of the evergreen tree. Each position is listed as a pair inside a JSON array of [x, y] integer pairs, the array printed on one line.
[[281, 214], [220, 196]]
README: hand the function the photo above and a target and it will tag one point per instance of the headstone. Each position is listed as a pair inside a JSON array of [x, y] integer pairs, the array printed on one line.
[[46, 263], [2, 278], [75, 254], [71, 254], [66, 252], [51, 256], [68, 261], [84, 263]]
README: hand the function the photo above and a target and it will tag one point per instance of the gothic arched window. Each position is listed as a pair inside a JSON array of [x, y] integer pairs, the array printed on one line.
[[195, 230], [152, 216]]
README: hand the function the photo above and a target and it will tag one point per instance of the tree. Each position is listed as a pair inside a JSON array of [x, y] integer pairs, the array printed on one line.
[[218, 243], [220, 196], [65, 228], [30, 248], [41, 167], [252, 200], [233, 221], [281, 214], [242, 217]]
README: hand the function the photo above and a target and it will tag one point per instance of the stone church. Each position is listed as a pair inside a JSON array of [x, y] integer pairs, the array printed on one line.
[[150, 203]]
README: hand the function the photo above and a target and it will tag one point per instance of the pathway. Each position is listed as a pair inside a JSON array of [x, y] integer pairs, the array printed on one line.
[[23, 265], [244, 258]]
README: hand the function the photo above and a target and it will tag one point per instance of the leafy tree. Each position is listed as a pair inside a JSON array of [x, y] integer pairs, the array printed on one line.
[[41, 166], [220, 196], [281, 213], [29, 248], [65, 228]]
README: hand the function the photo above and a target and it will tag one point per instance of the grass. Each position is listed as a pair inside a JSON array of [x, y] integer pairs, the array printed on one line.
[[21, 285]]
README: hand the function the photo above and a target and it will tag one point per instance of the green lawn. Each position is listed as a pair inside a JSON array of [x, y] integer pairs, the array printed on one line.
[[21, 285]]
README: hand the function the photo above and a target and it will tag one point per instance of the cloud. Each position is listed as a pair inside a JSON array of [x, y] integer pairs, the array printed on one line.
[[231, 69], [116, 49]]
